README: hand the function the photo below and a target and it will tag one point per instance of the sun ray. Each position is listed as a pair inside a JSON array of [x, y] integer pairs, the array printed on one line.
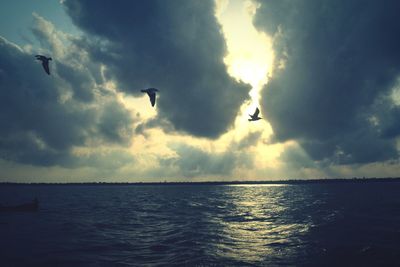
[[250, 53]]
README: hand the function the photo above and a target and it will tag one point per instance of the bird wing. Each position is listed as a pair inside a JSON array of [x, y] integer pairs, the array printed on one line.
[[256, 112], [45, 65], [152, 96]]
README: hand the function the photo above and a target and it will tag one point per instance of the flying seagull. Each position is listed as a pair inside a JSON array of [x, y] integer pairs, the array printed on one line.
[[45, 62], [152, 94], [255, 117]]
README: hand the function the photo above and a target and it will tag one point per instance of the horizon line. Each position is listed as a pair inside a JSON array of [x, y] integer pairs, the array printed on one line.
[[288, 181]]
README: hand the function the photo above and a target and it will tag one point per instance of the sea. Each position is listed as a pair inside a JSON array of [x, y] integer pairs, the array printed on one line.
[[315, 224]]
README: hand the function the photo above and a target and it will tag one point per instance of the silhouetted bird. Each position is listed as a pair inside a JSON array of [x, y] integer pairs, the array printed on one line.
[[152, 94], [255, 117], [45, 62]]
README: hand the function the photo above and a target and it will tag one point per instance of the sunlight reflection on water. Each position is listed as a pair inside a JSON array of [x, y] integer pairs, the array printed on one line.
[[252, 185], [254, 226]]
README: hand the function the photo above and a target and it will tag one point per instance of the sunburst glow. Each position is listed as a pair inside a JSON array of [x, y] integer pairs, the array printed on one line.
[[250, 52]]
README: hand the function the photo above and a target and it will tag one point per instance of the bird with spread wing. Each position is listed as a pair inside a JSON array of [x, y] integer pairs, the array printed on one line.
[[45, 62], [152, 94], [255, 117]]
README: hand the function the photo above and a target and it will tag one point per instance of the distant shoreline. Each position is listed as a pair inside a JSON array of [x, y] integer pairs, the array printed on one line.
[[291, 181]]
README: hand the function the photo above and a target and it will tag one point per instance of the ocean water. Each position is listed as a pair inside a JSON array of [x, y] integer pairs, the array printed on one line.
[[333, 224]]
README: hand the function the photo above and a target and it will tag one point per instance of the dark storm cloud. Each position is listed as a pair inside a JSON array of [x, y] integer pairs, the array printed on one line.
[[387, 114], [296, 159], [83, 81], [195, 162], [250, 140], [40, 125], [103, 161], [115, 123], [154, 123], [336, 63], [176, 46]]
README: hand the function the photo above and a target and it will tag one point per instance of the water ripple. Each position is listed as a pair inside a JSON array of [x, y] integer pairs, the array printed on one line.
[[203, 226]]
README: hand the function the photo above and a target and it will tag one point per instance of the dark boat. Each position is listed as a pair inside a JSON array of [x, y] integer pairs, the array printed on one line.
[[26, 207]]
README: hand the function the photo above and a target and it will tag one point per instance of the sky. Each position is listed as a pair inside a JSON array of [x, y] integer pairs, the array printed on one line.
[[324, 74]]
